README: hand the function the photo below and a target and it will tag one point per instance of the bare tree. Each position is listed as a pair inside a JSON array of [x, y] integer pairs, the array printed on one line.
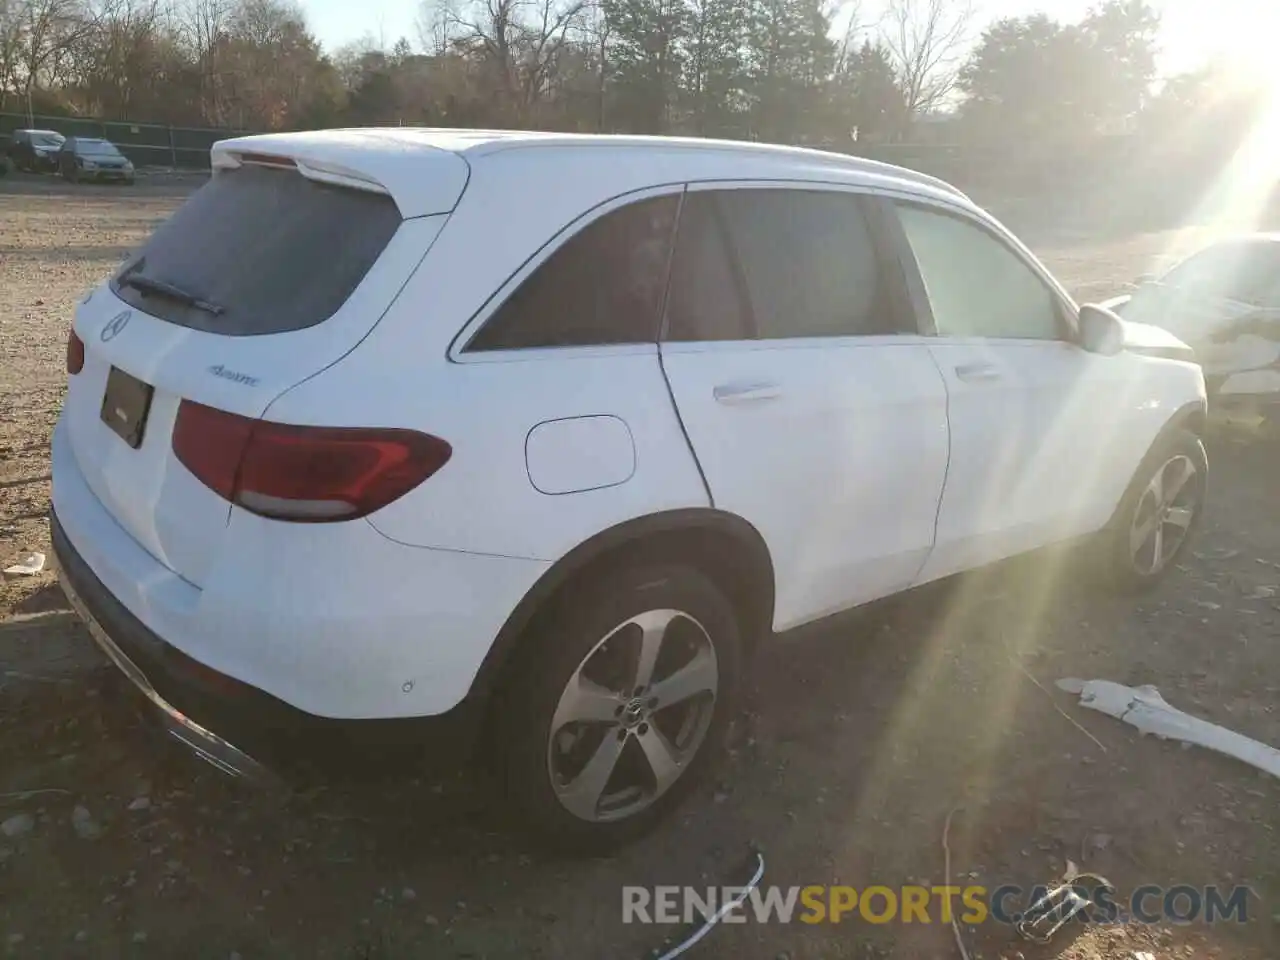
[[926, 40], [44, 35], [10, 45], [854, 27], [520, 43], [437, 24], [547, 41], [596, 31], [204, 25], [115, 62]]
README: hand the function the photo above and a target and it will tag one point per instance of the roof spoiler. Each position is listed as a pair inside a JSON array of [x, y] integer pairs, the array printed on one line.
[[320, 171]]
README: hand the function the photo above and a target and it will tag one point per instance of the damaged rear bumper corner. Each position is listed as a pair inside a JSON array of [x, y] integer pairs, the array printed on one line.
[[208, 746], [76, 579]]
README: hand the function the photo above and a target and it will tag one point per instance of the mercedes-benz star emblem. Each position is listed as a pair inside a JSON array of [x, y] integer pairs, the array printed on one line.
[[115, 326]]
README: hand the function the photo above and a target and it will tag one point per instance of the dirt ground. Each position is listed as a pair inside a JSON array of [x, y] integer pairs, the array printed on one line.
[[858, 740]]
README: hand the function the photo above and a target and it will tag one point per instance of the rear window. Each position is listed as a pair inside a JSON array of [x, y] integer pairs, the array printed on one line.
[[264, 251]]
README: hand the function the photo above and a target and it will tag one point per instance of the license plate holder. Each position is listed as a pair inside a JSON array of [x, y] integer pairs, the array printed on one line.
[[125, 405]]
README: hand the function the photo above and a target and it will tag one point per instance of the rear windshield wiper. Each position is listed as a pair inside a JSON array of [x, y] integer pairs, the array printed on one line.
[[152, 285]]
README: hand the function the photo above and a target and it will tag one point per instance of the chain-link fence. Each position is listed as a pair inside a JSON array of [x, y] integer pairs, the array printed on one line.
[[146, 144]]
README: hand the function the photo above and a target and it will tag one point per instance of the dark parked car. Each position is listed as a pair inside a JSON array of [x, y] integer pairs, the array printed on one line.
[[35, 150], [85, 158]]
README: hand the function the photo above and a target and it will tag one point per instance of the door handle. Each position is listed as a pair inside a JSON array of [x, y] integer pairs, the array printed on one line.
[[971, 372], [730, 393]]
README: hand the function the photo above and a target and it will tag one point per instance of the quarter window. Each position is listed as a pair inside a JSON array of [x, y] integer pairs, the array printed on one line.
[[604, 285], [977, 286]]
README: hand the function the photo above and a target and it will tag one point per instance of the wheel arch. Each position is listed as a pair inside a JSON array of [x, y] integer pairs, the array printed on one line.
[[722, 545], [1191, 416]]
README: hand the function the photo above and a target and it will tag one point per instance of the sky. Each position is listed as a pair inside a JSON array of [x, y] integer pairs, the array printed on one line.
[[1193, 30]]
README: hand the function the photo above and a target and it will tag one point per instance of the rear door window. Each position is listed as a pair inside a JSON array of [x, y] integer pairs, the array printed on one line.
[[263, 251], [774, 264]]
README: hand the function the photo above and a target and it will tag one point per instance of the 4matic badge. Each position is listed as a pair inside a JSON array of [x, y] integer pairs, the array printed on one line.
[[234, 376]]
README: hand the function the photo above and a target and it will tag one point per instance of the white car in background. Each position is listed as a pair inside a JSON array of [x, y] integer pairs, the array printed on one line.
[[1224, 301], [520, 443]]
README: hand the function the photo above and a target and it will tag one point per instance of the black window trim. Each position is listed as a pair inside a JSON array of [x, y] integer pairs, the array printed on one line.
[[884, 247], [460, 351], [1064, 308]]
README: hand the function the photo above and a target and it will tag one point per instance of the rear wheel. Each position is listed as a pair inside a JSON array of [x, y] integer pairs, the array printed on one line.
[[618, 704], [1159, 513]]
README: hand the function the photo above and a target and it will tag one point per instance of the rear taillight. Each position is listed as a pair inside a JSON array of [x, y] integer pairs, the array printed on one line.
[[75, 352], [305, 474]]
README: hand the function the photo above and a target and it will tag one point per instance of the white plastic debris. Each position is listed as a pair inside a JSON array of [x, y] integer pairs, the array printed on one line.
[[29, 565], [1144, 708], [18, 826]]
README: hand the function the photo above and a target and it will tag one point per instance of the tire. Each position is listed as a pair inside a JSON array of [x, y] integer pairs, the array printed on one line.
[[1162, 486], [593, 635]]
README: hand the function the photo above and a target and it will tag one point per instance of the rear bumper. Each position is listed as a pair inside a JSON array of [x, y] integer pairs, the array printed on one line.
[[334, 620], [241, 730], [78, 583]]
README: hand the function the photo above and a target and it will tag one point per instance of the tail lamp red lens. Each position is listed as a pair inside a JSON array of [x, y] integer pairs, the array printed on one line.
[[303, 473], [75, 352]]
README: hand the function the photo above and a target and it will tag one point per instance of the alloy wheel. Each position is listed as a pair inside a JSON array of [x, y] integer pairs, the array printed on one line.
[[1164, 515], [632, 716]]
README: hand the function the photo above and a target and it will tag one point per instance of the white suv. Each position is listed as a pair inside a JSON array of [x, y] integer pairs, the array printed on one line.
[[526, 440]]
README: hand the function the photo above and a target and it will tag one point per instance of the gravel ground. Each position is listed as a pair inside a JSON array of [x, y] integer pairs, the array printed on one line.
[[858, 741]]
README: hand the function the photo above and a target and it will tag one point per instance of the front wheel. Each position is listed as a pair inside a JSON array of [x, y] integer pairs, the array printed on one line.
[[1159, 513], [618, 704]]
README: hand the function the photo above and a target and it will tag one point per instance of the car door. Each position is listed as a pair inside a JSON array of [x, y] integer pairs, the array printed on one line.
[[807, 393], [1037, 424]]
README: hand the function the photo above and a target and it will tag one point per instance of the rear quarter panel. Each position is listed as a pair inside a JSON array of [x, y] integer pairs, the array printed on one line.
[[484, 500], [410, 372]]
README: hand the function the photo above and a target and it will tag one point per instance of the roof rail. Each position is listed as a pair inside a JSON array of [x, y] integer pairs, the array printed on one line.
[[869, 165]]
